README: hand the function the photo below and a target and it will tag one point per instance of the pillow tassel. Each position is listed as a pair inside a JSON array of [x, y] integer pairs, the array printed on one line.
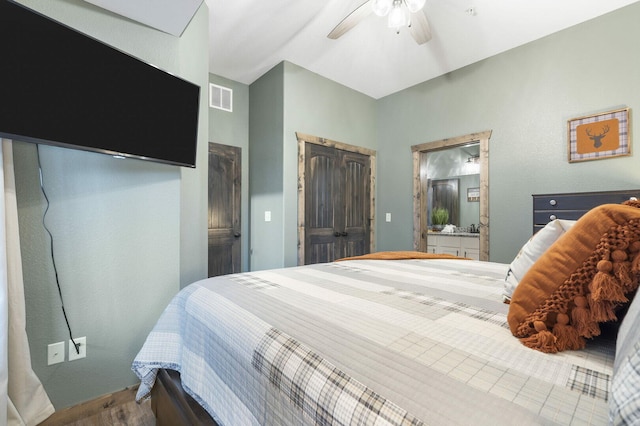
[[567, 337], [622, 265], [602, 269], [635, 265], [605, 286], [581, 319], [602, 310], [624, 274], [543, 340]]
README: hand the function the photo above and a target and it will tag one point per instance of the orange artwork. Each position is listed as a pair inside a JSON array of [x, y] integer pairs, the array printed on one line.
[[598, 137]]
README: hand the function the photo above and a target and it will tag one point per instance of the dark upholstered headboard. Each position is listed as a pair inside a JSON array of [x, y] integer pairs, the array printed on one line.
[[547, 207]]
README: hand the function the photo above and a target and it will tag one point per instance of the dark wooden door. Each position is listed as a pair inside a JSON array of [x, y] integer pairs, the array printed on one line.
[[356, 203], [337, 203], [224, 209], [322, 189]]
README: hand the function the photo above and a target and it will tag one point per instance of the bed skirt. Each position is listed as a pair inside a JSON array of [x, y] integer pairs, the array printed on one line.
[[171, 405]]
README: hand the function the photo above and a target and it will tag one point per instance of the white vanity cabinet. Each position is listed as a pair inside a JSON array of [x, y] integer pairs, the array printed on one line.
[[456, 244], [470, 247]]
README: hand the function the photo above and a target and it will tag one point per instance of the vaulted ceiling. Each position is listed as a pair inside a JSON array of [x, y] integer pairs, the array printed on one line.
[[249, 37]]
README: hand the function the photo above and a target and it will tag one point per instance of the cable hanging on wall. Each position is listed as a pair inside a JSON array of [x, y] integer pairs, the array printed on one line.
[[53, 259]]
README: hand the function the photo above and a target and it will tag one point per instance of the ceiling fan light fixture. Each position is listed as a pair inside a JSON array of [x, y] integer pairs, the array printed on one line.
[[414, 5], [397, 17], [381, 7]]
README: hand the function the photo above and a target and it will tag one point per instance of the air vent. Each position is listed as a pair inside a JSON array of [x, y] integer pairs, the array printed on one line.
[[220, 97]]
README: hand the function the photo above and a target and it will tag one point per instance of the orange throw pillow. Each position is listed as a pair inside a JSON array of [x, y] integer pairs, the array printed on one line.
[[579, 281]]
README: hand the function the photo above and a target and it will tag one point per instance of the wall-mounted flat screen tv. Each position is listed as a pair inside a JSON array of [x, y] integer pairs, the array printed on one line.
[[61, 87]]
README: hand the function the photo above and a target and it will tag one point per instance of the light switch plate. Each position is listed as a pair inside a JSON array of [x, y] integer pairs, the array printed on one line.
[[388, 217], [267, 216]]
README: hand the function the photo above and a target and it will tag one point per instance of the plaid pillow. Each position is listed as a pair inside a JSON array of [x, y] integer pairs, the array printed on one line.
[[624, 406], [624, 403]]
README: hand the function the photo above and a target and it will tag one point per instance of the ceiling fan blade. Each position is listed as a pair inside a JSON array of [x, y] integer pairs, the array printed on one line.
[[351, 20], [420, 29]]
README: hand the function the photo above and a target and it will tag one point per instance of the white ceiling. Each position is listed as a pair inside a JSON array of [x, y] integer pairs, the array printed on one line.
[[249, 37], [170, 16]]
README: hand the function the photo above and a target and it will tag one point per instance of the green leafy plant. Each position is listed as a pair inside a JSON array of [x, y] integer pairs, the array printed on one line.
[[440, 216]]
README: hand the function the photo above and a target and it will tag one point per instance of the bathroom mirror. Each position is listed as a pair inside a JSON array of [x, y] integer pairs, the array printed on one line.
[[443, 195], [465, 158]]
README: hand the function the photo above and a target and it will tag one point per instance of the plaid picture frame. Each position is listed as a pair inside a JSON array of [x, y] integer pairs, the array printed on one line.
[[599, 136]]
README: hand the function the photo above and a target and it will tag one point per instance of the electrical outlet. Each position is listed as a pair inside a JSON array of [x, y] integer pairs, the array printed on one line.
[[82, 348], [55, 353]]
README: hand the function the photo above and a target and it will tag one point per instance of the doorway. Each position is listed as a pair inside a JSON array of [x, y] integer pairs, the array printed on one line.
[[335, 200], [421, 185], [224, 209]]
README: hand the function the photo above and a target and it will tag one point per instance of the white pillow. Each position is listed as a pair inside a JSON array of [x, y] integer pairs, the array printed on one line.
[[531, 251]]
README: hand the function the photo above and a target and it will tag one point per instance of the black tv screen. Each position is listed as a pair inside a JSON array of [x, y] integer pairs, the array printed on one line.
[[61, 87]]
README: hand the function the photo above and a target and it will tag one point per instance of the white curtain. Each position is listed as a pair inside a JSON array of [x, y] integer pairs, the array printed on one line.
[[23, 400]]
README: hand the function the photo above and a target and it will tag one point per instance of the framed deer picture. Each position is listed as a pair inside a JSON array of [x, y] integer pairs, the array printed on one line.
[[598, 136]]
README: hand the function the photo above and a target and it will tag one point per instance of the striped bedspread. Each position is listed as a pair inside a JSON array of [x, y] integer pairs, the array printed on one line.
[[369, 342]]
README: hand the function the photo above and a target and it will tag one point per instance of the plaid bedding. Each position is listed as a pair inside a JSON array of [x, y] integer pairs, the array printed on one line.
[[326, 394], [370, 342]]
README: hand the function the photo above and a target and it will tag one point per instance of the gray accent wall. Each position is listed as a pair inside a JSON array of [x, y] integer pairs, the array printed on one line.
[[525, 96], [126, 233]]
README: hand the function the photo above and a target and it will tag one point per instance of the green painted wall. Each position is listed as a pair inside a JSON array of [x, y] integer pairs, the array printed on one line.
[[126, 233], [320, 107], [193, 63], [232, 128], [105, 212], [286, 100], [265, 164], [526, 96]]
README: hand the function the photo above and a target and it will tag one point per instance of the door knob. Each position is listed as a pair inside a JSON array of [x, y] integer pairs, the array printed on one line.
[[236, 234], [336, 234], [344, 234]]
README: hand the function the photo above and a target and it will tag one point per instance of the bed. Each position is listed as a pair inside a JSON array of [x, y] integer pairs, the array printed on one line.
[[403, 341]]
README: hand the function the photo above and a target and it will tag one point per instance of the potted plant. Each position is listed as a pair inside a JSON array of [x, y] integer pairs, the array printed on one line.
[[439, 218]]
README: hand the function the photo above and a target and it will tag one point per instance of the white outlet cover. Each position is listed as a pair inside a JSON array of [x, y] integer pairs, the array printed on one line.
[[73, 354], [55, 353]]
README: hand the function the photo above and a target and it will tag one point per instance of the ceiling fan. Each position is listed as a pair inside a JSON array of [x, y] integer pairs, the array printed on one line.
[[409, 13]]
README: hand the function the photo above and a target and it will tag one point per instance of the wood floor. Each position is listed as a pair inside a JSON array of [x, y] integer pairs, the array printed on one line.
[[119, 408]]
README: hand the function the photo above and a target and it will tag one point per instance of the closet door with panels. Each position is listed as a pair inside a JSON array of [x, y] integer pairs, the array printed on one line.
[[356, 176], [337, 203], [224, 209]]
